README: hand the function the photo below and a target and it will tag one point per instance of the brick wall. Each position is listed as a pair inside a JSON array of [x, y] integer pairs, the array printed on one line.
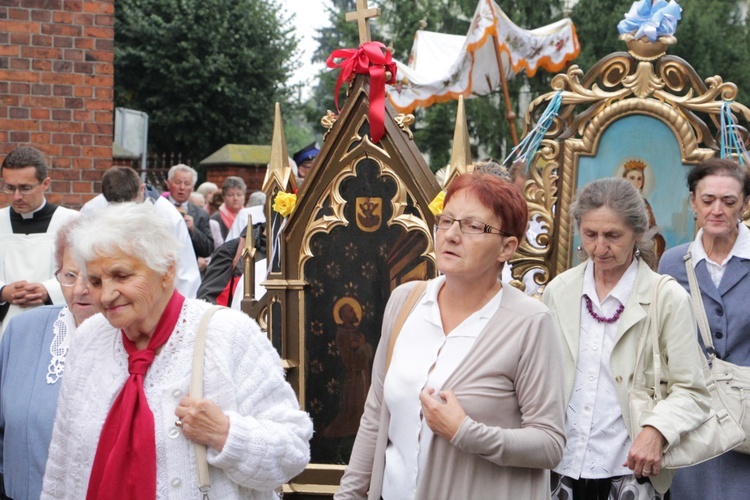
[[253, 175], [56, 89]]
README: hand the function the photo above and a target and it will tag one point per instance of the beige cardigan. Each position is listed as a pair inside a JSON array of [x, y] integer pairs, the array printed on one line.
[[510, 385], [688, 400]]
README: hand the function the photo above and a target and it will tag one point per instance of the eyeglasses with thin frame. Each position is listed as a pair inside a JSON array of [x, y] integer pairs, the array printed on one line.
[[467, 226], [67, 278], [23, 188]]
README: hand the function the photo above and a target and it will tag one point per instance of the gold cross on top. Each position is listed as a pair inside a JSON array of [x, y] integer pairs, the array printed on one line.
[[363, 16]]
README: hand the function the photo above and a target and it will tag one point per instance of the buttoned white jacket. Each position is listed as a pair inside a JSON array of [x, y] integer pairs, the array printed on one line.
[[688, 401]]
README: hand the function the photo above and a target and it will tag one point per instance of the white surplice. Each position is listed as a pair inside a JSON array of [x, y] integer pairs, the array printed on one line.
[[30, 257]]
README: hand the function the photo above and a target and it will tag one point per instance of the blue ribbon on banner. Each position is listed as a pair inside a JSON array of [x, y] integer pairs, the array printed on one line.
[[651, 19], [528, 147], [731, 142]]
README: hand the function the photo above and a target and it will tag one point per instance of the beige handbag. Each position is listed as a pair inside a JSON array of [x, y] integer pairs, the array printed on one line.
[[716, 435], [196, 391], [732, 381]]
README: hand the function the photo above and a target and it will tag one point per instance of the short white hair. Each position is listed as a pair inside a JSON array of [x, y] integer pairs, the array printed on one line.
[[206, 188], [197, 199], [132, 229], [181, 167]]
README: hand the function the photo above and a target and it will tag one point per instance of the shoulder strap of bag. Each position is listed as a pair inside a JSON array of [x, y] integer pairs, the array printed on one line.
[[698, 307], [651, 329], [196, 391], [409, 303]]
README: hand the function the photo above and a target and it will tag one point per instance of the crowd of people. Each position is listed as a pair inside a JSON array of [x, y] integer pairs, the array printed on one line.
[[477, 390]]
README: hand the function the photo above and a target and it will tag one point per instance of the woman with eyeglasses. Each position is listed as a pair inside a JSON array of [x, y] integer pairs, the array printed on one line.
[[32, 363], [471, 405], [601, 308]]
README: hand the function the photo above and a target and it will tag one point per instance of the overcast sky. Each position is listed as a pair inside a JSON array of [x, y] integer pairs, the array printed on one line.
[[310, 15]]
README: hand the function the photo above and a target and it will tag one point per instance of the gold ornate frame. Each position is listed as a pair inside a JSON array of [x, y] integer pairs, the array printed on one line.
[[642, 81]]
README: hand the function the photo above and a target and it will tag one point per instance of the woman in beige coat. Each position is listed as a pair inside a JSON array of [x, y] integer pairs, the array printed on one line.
[[600, 307], [471, 405]]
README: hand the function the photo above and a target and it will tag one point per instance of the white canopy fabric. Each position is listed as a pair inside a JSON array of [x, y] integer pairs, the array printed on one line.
[[443, 67]]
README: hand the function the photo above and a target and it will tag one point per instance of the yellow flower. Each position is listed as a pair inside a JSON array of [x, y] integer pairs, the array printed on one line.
[[436, 205], [284, 203]]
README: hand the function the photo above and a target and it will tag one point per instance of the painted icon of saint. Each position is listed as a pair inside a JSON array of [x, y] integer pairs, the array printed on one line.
[[356, 355], [634, 172]]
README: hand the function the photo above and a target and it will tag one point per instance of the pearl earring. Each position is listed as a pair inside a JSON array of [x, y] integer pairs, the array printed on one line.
[[637, 252], [580, 248]]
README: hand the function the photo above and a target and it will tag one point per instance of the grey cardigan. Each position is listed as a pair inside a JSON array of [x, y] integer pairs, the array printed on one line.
[[511, 387]]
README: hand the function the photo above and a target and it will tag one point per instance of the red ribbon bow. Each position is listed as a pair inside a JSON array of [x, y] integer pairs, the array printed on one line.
[[371, 58]]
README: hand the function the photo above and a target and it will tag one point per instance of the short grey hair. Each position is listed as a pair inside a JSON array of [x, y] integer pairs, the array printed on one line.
[[181, 167], [233, 182], [256, 198], [126, 229], [620, 196]]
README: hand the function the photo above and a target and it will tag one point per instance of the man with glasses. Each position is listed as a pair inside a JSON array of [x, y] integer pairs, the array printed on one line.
[[27, 235]]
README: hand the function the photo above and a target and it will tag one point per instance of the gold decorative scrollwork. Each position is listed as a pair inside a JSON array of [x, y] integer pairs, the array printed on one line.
[[331, 198], [328, 121], [403, 122], [640, 81]]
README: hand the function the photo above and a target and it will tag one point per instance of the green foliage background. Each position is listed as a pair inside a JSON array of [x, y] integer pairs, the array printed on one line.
[[206, 71], [209, 71]]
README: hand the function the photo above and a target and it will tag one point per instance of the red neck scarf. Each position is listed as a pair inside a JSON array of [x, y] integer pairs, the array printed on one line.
[[227, 217], [125, 461]]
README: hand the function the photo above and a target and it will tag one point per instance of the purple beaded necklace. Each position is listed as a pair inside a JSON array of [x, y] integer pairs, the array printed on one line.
[[602, 319]]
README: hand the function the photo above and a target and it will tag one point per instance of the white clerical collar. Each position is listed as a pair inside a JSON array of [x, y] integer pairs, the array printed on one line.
[[740, 249], [30, 215]]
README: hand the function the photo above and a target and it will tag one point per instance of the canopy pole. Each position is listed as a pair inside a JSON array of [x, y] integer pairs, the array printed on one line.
[[509, 114]]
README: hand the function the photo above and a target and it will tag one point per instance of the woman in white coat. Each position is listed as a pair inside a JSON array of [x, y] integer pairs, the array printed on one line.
[[601, 307]]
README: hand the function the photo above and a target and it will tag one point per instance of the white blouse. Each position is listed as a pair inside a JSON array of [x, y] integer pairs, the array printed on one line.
[[598, 441], [424, 356], [741, 249]]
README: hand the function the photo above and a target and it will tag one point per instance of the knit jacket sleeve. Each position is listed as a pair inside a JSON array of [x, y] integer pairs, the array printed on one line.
[[268, 442]]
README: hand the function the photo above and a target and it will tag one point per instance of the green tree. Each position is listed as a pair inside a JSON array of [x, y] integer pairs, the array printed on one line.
[[396, 27], [712, 36], [206, 71]]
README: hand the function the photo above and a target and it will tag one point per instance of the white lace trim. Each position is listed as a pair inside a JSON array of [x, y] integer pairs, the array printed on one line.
[[63, 328]]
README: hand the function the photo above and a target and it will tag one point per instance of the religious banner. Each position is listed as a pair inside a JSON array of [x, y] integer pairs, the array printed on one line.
[[442, 67]]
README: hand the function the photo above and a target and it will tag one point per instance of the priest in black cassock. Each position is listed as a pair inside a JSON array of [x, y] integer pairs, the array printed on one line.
[[27, 235]]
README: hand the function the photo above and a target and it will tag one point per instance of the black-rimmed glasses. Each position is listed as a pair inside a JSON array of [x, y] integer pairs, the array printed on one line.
[[467, 226]]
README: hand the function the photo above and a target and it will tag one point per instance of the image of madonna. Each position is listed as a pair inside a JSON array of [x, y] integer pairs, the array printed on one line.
[[634, 172]]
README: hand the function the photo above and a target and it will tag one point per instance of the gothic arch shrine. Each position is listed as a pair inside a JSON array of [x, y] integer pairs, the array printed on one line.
[[359, 229]]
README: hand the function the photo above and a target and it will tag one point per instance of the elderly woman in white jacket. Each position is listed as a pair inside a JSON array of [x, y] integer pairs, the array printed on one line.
[[126, 425]]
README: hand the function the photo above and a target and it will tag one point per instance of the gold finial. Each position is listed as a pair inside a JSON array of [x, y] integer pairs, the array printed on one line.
[[248, 254], [461, 154], [278, 166], [363, 16]]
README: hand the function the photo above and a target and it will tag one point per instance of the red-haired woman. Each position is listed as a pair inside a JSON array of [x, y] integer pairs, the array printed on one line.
[[471, 405]]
